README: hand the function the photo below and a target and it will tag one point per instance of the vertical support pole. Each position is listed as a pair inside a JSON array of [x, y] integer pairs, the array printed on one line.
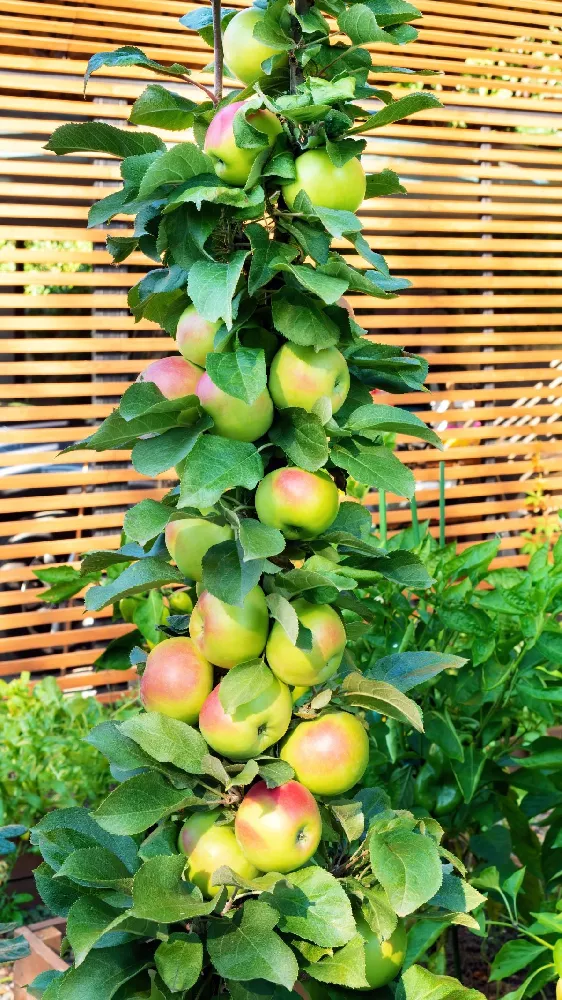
[[415, 520], [217, 45]]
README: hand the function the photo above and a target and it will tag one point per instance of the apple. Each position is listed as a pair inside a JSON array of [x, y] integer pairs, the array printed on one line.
[[302, 504], [180, 602], [244, 54], [325, 184], [254, 726], [189, 539], [227, 635], [301, 667], [300, 376], [174, 376], [279, 828], [329, 755], [233, 417], [383, 959], [209, 846], [195, 336], [177, 679], [232, 163]]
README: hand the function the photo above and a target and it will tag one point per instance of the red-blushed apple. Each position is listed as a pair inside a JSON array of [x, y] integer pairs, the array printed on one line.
[[383, 959], [301, 667], [278, 829], [176, 680], [189, 539], [325, 184], [209, 846], [195, 336], [233, 163], [329, 755], [254, 727], [174, 376], [233, 418], [300, 376], [302, 504], [227, 635], [244, 54]]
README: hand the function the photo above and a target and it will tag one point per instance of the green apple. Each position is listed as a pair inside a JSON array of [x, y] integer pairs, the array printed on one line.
[[279, 828], [300, 376], [301, 667], [329, 755], [195, 336], [232, 163], [302, 504], [189, 539], [174, 376], [254, 727], [227, 635], [233, 417], [208, 846], [244, 54], [180, 602], [325, 184], [383, 959], [177, 679]]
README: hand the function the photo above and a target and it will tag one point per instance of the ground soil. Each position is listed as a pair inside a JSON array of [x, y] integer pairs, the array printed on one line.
[[476, 955]]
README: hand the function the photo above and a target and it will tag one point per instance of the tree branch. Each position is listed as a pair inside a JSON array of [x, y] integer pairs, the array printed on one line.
[[219, 58], [201, 86]]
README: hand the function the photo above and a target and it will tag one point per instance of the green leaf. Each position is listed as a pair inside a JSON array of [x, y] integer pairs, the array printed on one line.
[[469, 771], [247, 947], [227, 575], [90, 919], [258, 540], [201, 20], [249, 771], [513, 956], [386, 182], [120, 247], [211, 287], [360, 25], [216, 465], [420, 984], [379, 417], [98, 137], [96, 867], [402, 108], [301, 321], [266, 254], [258, 989], [457, 895], [179, 961], [441, 730], [239, 373], [185, 232], [408, 866], [314, 906], [139, 803], [313, 238], [106, 208], [130, 55], [393, 11], [142, 575], [344, 150], [102, 972], [378, 696], [162, 108], [407, 670], [325, 287], [59, 894], [167, 740], [276, 772], [374, 465], [158, 454], [387, 367], [159, 892], [146, 520], [346, 967], [177, 165], [243, 684], [79, 821], [302, 437]]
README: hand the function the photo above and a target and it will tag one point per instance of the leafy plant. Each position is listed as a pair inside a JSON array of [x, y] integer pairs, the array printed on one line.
[[241, 871]]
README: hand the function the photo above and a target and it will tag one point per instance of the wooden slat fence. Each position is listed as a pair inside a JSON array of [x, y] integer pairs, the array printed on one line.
[[479, 236]]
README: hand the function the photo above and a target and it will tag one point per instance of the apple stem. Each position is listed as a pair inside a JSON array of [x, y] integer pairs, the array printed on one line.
[[217, 40]]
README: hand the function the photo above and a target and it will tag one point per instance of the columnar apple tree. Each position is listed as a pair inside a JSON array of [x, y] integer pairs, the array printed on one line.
[[244, 851]]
